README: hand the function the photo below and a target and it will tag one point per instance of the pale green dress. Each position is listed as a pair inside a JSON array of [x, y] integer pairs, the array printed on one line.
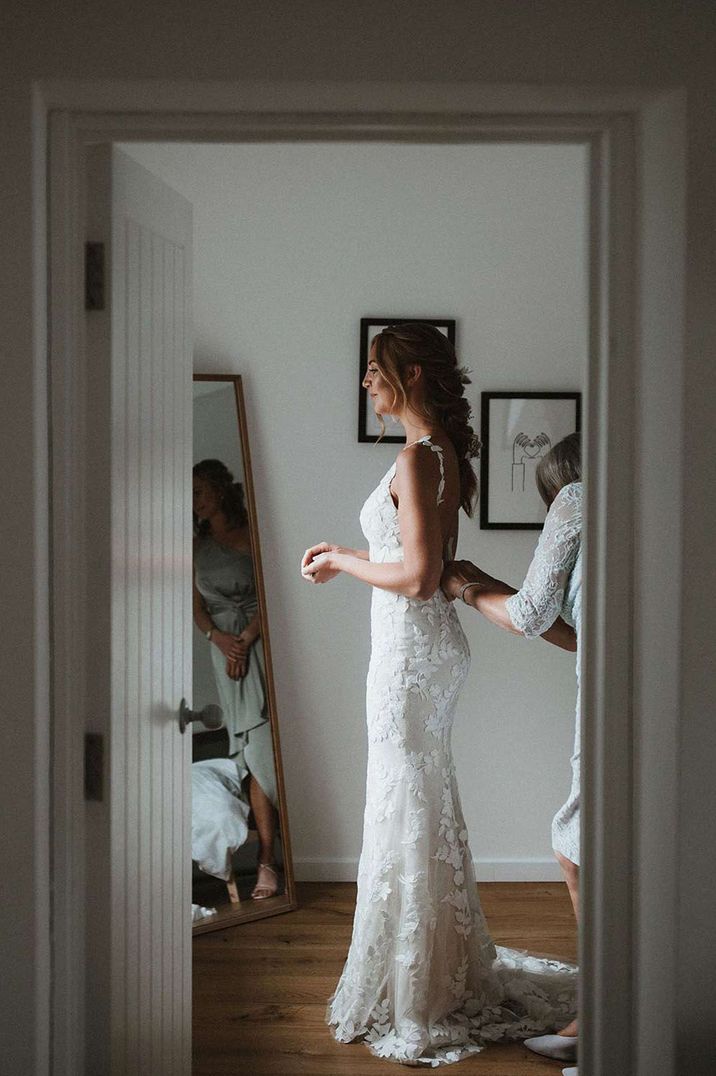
[[225, 579]]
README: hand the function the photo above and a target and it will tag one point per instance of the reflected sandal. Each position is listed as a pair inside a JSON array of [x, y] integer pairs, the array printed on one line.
[[263, 889]]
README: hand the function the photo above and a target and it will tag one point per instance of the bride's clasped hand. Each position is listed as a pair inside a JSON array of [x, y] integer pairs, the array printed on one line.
[[320, 563]]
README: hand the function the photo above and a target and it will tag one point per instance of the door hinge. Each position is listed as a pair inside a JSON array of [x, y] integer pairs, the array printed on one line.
[[94, 276], [94, 766]]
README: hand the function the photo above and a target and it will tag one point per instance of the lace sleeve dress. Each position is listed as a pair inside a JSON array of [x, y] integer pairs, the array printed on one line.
[[552, 588]]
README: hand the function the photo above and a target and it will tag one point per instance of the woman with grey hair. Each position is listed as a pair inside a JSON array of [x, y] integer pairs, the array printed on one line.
[[549, 604]]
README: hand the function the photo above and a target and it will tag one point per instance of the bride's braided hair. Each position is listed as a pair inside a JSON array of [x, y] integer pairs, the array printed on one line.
[[414, 343]]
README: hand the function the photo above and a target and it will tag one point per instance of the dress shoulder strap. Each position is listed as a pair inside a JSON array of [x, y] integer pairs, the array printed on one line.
[[439, 452]]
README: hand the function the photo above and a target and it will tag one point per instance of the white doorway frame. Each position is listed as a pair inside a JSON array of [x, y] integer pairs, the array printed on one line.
[[636, 143]]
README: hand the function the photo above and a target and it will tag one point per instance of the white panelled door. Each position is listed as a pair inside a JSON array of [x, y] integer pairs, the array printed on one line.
[[138, 861]]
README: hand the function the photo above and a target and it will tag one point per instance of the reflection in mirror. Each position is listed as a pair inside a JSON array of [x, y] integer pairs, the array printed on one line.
[[240, 851]]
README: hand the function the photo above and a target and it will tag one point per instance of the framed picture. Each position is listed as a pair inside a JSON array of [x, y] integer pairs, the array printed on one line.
[[368, 424], [518, 429]]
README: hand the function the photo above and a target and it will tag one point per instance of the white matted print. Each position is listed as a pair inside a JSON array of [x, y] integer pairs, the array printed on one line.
[[518, 429], [368, 423]]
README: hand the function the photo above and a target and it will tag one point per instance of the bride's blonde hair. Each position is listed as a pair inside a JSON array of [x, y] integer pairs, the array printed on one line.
[[414, 343]]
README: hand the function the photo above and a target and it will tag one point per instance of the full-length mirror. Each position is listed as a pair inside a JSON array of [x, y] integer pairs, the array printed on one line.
[[240, 846]]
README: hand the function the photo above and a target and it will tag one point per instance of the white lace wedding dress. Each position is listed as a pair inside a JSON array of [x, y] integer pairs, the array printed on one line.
[[423, 983]]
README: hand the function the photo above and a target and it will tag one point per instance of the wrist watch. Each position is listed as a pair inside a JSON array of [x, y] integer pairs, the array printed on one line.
[[209, 633]]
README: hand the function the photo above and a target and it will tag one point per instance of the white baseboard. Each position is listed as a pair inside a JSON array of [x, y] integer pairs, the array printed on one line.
[[486, 870], [518, 870]]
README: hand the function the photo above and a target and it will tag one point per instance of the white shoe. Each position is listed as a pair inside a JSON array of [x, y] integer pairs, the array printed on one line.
[[570, 1072], [558, 1047]]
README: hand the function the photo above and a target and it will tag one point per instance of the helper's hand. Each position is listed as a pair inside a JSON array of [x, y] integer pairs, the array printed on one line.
[[458, 572]]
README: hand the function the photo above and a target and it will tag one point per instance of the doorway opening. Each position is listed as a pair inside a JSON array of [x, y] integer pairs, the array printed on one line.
[[610, 144]]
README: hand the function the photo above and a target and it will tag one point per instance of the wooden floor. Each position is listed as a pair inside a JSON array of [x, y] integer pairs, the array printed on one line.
[[260, 988]]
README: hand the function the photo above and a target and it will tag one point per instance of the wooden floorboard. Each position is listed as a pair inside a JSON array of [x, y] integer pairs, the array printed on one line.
[[260, 989]]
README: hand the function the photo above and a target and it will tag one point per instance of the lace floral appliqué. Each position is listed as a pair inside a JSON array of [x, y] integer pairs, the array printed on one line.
[[423, 983]]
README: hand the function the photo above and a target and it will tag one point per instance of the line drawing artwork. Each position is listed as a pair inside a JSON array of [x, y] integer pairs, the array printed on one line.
[[526, 449], [518, 430]]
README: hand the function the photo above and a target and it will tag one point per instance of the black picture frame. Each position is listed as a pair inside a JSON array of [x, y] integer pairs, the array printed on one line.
[[494, 464], [366, 435]]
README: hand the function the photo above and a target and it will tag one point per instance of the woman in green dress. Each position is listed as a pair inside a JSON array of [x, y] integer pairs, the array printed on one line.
[[226, 611]]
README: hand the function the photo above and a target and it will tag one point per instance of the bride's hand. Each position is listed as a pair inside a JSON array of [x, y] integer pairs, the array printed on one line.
[[316, 550], [457, 573], [321, 569], [315, 567]]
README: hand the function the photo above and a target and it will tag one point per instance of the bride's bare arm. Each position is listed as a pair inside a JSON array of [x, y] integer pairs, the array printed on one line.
[[418, 574]]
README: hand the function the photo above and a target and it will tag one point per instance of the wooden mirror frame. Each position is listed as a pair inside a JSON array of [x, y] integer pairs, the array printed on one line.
[[249, 910]]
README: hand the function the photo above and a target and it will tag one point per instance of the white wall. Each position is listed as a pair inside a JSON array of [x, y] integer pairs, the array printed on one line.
[[294, 243], [604, 42]]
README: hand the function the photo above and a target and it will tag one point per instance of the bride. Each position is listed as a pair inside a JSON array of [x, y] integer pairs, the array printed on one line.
[[423, 982]]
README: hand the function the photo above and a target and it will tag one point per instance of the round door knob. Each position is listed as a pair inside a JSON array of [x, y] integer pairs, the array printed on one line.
[[211, 717]]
